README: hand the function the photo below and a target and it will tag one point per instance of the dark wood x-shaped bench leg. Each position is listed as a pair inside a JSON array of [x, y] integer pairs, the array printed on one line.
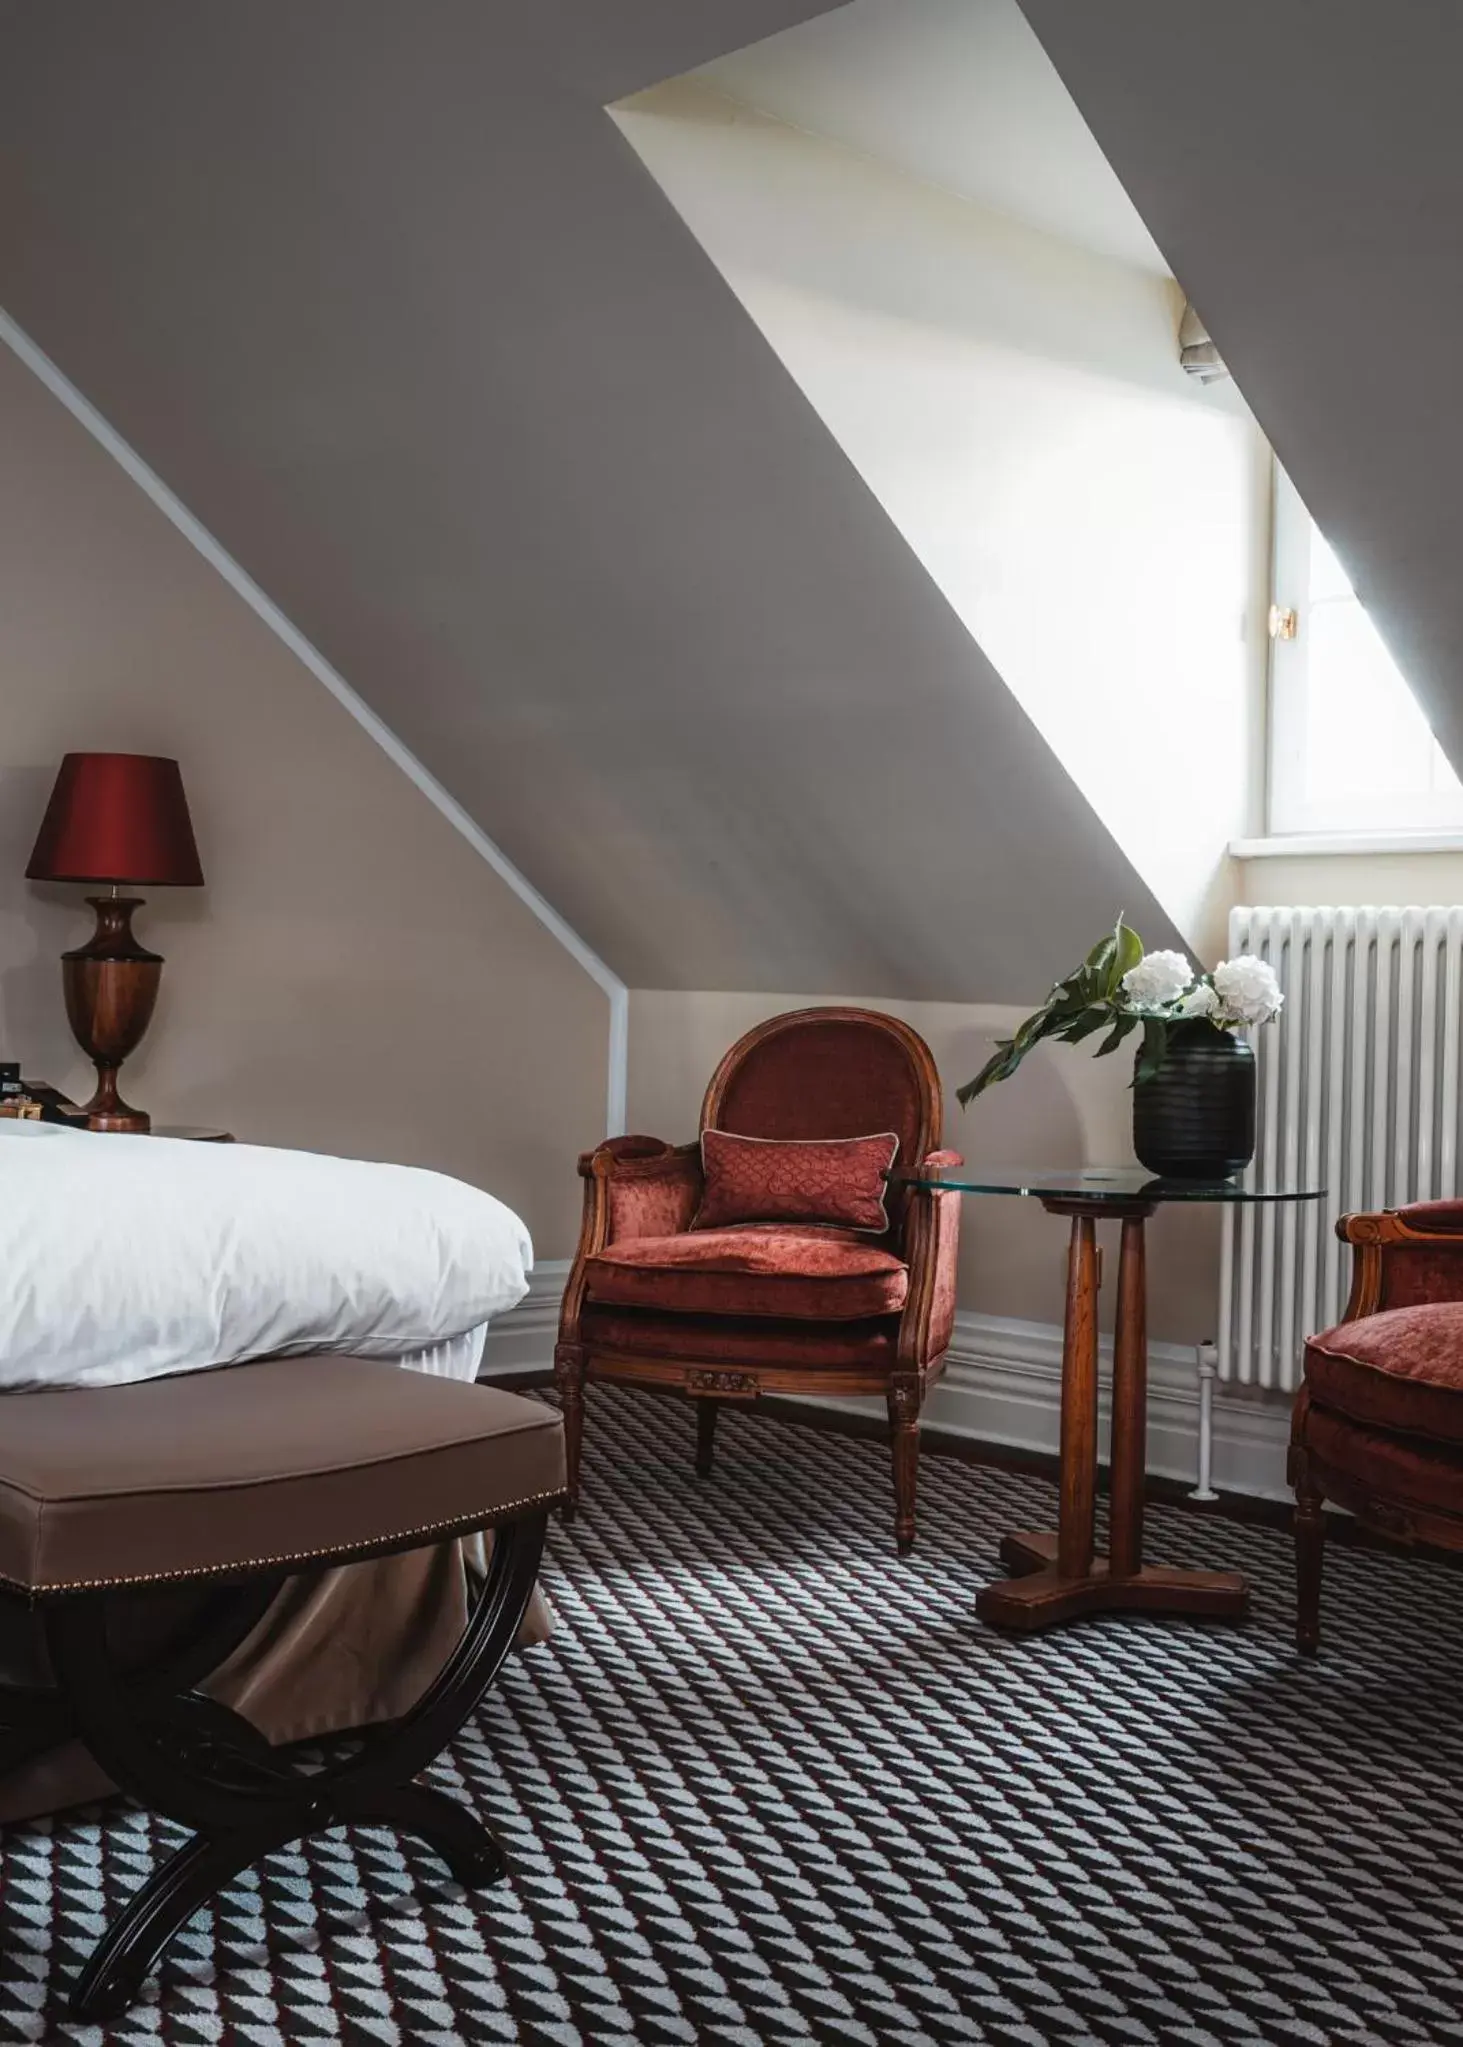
[[195, 1761]]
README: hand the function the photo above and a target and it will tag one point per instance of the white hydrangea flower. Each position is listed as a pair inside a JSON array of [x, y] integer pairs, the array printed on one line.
[[1248, 989], [1157, 978], [1200, 1001]]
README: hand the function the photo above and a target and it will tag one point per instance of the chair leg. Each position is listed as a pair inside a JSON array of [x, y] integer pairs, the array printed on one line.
[[905, 1399], [569, 1376], [1310, 1551], [706, 1413]]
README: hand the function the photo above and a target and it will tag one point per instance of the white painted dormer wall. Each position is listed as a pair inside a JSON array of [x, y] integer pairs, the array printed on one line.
[[1097, 520]]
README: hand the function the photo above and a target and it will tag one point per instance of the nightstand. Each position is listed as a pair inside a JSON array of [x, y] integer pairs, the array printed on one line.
[[201, 1133]]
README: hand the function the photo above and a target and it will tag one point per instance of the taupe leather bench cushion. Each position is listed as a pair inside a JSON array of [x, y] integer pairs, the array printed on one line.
[[290, 1461]]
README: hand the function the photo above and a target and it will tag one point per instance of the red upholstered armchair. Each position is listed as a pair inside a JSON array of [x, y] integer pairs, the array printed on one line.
[[1378, 1423], [730, 1313]]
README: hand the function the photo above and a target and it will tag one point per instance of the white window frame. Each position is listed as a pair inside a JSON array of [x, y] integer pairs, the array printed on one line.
[[1290, 580], [1293, 813]]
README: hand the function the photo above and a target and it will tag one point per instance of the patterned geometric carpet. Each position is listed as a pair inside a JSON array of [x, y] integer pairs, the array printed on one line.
[[769, 1785]]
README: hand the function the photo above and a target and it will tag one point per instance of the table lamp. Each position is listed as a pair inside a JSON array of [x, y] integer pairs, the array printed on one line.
[[118, 819]]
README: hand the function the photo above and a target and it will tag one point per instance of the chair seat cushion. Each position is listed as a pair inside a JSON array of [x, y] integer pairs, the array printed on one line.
[[248, 1468], [1393, 1468], [807, 1274], [747, 1340], [1399, 1370]]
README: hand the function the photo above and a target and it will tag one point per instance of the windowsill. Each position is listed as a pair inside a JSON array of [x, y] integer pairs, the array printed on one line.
[[1308, 845]]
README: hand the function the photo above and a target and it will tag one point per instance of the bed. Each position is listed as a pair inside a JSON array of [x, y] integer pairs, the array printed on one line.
[[127, 1258]]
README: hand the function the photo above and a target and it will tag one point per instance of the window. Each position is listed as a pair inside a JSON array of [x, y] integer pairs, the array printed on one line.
[[1350, 751]]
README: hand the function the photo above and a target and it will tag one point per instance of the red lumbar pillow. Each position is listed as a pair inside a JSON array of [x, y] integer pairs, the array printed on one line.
[[833, 1180]]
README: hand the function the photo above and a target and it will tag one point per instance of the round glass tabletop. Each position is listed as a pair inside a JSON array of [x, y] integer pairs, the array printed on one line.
[[1109, 1183]]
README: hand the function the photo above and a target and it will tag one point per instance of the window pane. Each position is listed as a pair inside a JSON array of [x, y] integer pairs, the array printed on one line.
[[1366, 736], [1350, 747]]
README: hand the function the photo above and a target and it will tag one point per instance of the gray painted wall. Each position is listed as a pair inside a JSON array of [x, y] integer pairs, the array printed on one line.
[[383, 295], [303, 1001], [1299, 164]]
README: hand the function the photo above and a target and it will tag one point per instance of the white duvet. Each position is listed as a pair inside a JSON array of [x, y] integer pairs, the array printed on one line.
[[125, 1258]]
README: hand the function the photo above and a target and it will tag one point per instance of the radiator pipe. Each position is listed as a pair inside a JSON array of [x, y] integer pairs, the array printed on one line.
[[1206, 1359]]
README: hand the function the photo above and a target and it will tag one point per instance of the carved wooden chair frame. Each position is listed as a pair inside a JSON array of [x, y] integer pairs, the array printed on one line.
[[1375, 1239], [928, 1216]]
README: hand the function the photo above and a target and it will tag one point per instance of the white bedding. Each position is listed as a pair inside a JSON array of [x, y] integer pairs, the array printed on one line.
[[126, 1258]]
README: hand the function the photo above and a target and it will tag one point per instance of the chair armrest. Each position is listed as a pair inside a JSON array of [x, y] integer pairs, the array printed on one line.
[[1404, 1257], [936, 1161], [628, 1151], [931, 1250], [1436, 1218], [651, 1189], [633, 1187]]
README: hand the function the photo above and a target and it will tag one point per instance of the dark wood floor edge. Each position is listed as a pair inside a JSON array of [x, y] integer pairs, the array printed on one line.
[[938, 1442], [1247, 1508]]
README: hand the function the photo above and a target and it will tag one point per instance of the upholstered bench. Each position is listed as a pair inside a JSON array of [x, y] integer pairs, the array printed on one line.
[[234, 1480], [1378, 1423]]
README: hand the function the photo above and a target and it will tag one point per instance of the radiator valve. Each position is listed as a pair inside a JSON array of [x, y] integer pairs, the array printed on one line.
[[1207, 1365]]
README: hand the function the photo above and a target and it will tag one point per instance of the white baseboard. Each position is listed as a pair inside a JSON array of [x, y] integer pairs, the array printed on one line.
[[522, 1341], [1002, 1383]]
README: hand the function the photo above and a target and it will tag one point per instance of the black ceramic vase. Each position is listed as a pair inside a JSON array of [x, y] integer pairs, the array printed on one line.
[[1195, 1119]]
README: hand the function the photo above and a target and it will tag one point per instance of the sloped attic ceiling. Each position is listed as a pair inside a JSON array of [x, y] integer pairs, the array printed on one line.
[[1299, 165], [385, 298]]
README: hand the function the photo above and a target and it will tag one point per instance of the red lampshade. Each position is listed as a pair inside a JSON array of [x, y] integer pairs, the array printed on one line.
[[117, 817]]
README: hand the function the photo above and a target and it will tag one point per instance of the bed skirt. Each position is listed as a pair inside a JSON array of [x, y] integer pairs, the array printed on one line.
[[338, 1649]]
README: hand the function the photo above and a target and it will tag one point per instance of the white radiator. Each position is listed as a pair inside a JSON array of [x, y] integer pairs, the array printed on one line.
[[1358, 1092]]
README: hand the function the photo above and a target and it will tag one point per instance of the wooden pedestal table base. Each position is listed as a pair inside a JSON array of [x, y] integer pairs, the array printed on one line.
[[1060, 1577]]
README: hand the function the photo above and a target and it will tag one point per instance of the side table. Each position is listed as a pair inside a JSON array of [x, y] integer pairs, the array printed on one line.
[[201, 1133], [1059, 1576]]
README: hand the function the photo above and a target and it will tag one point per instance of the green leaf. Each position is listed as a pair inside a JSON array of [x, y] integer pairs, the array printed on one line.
[[1123, 1028], [1009, 1053], [1086, 1023], [1078, 1006], [1035, 1026], [1155, 1045], [1071, 1005], [1129, 949], [1000, 1066]]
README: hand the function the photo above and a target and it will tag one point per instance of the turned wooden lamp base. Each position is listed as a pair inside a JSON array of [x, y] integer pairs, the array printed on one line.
[[106, 1109], [115, 820], [111, 986], [1060, 1577]]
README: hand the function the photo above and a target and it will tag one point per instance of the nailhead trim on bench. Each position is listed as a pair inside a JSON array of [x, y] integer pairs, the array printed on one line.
[[405, 1538]]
